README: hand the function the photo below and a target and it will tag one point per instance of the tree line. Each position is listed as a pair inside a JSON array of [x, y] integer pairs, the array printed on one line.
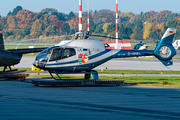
[[21, 24]]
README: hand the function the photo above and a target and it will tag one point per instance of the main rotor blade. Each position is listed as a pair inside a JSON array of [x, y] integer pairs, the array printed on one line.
[[105, 37], [40, 38], [32, 30], [102, 39]]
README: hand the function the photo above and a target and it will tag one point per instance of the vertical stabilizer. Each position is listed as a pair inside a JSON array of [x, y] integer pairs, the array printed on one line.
[[1, 40], [164, 51]]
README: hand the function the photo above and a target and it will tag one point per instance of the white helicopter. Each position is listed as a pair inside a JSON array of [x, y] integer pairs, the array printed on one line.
[[81, 55]]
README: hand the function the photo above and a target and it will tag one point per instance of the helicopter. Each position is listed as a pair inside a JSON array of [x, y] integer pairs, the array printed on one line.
[[12, 57], [82, 54], [141, 46]]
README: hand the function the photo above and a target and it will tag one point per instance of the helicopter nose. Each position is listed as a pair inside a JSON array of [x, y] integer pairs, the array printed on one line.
[[41, 63], [35, 63]]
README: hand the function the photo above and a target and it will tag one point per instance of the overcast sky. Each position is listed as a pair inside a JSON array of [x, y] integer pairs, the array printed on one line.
[[65, 6]]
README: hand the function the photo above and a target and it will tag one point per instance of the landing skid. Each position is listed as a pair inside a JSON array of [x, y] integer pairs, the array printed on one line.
[[53, 76], [95, 81], [5, 67], [87, 75]]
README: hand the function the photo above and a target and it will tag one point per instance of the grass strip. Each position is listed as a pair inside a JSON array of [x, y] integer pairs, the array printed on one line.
[[114, 71], [139, 71]]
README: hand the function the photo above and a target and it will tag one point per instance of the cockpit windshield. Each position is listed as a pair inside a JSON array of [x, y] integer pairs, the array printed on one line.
[[55, 53], [44, 55], [68, 52]]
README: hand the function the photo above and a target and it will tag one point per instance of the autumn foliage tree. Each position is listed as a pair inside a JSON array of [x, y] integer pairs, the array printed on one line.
[[36, 28], [15, 11], [25, 18], [12, 22], [50, 22], [58, 24], [65, 28]]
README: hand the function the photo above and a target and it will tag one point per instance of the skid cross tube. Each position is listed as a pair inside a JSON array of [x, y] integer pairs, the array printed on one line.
[[53, 76], [87, 75]]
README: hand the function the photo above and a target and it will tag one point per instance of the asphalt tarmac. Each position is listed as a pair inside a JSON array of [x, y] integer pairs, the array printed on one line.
[[20, 101]]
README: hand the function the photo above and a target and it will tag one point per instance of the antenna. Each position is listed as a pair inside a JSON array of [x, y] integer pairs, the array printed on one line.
[[88, 15], [116, 46], [80, 15]]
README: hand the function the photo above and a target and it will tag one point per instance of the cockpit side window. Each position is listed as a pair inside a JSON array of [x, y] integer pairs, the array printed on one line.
[[56, 54], [68, 52]]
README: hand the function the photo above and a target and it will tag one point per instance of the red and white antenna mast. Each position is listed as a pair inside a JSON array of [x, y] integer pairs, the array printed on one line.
[[88, 16], [80, 15], [116, 46]]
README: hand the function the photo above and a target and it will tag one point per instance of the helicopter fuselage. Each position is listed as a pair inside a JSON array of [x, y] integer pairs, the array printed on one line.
[[9, 58], [81, 55]]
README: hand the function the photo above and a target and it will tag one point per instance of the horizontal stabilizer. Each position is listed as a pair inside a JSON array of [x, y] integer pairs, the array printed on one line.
[[167, 62]]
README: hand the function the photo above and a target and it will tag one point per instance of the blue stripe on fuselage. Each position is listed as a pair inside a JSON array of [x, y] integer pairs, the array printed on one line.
[[89, 66], [99, 54]]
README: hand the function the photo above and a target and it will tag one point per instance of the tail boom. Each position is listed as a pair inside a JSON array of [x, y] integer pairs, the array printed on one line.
[[164, 50]]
